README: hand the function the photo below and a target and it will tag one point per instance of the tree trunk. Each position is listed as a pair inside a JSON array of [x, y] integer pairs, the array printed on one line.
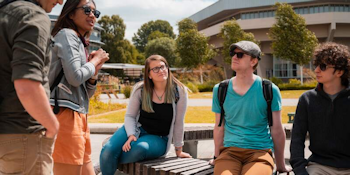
[[301, 75], [201, 72]]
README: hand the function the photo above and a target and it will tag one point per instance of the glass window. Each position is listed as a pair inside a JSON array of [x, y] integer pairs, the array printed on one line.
[[306, 10], [256, 15], [341, 8], [346, 8], [312, 10], [336, 8], [326, 8], [331, 8], [316, 9], [244, 16], [270, 14], [321, 9]]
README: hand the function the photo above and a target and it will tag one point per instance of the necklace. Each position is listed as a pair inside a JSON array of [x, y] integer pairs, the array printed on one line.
[[159, 97]]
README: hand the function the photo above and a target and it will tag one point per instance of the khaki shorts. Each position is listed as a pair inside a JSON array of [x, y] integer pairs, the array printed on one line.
[[235, 161], [315, 168], [73, 144], [25, 154]]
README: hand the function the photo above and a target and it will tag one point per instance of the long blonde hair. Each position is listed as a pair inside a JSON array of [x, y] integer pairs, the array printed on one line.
[[148, 85]]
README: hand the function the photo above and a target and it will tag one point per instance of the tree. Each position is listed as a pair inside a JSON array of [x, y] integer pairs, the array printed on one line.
[[291, 39], [231, 32], [164, 47], [192, 46], [120, 50], [140, 39]]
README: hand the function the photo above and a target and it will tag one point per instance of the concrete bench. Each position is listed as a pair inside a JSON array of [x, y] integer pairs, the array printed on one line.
[[168, 166]]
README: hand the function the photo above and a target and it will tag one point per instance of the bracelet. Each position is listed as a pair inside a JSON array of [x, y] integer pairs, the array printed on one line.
[[178, 149]]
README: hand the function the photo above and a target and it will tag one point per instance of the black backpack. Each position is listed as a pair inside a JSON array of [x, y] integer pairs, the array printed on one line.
[[267, 91], [5, 2]]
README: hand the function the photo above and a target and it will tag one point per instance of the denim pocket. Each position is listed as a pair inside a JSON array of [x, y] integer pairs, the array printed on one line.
[[12, 155]]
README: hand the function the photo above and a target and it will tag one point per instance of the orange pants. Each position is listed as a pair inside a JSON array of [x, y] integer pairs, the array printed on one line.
[[73, 144], [240, 161]]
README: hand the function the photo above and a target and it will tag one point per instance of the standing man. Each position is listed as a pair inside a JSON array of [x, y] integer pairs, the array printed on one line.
[[324, 113], [27, 123], [243, 143]]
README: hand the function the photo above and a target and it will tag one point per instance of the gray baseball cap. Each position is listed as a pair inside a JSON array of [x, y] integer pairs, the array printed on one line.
[[248, 47]]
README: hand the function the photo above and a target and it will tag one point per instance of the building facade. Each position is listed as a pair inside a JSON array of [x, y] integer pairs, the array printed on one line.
[[95, 37], [329, 20]]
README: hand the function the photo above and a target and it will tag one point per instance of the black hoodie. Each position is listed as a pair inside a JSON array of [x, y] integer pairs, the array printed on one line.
[[328, 124]]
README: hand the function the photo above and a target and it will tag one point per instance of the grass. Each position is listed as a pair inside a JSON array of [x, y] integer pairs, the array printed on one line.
[[193, 115], [285, 94], [292, 93]]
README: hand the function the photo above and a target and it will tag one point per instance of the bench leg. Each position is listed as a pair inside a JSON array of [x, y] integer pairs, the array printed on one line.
[[191, 148]]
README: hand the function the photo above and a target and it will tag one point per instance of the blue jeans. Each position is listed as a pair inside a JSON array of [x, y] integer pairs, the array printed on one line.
[[147, 146]]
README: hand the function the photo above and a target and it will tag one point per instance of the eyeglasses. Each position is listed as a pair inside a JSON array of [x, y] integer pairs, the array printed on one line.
[[156, 69], [324, 67], [239, 54], [88, 10]]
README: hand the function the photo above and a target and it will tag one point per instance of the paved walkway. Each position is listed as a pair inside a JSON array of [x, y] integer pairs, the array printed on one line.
[[191, 102]]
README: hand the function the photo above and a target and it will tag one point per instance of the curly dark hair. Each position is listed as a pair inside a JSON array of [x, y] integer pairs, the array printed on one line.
[[335, 54]]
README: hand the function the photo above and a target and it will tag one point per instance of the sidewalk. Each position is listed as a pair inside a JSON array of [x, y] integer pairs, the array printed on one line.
[[191, 102]]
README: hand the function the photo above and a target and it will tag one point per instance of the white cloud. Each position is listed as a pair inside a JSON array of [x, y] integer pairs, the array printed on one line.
[[137, 12]]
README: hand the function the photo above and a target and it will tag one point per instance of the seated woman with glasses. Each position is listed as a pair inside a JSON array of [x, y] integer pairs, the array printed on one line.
[[72, 77], [154, 119]]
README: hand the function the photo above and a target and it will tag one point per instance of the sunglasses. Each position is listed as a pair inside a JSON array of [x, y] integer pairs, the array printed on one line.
[[88, 10], [157, 69], [239, 54], [324, 67]]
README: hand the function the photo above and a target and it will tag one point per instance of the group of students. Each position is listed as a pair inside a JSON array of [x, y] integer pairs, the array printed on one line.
[[41, 97]]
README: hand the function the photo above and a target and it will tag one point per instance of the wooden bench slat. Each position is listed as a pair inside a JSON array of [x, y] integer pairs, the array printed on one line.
[[175, 163], [181, 166], [178, 171], [147, 169], [197, 170]]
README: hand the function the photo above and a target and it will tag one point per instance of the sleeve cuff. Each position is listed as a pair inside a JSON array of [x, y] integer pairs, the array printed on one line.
[[300, 171]]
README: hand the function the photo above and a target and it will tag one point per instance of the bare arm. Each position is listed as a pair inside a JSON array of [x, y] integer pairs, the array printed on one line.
[[279, 138], [33, 98], [218, 136]]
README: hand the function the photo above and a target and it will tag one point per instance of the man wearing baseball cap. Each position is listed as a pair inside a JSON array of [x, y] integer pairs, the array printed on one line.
[[243, 144]]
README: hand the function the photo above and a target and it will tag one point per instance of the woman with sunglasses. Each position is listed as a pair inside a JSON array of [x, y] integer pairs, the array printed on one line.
[[154, 119], [72, 77]]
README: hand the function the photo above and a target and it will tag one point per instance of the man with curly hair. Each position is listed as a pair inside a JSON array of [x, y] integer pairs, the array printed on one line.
[[324, 113]]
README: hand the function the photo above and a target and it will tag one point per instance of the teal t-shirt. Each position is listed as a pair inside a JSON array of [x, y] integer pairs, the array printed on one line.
[[246, 124]]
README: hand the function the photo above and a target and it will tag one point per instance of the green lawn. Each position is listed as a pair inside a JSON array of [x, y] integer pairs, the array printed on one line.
[[193, 115]]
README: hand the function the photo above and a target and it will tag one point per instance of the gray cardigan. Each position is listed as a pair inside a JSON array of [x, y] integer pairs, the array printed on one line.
[[176, 131], [74, 90]]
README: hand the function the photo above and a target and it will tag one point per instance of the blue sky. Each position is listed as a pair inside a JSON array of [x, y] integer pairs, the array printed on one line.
[[137, 12]]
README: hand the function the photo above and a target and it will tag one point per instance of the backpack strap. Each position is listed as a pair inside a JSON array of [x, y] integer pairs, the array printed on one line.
[[221, 96], [56, 108], [268, 95]]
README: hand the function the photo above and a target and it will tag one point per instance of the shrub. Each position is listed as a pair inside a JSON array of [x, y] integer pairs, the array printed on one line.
[[276, 80], [192, 87], [206, 87], [294, 82], [127, 91]]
